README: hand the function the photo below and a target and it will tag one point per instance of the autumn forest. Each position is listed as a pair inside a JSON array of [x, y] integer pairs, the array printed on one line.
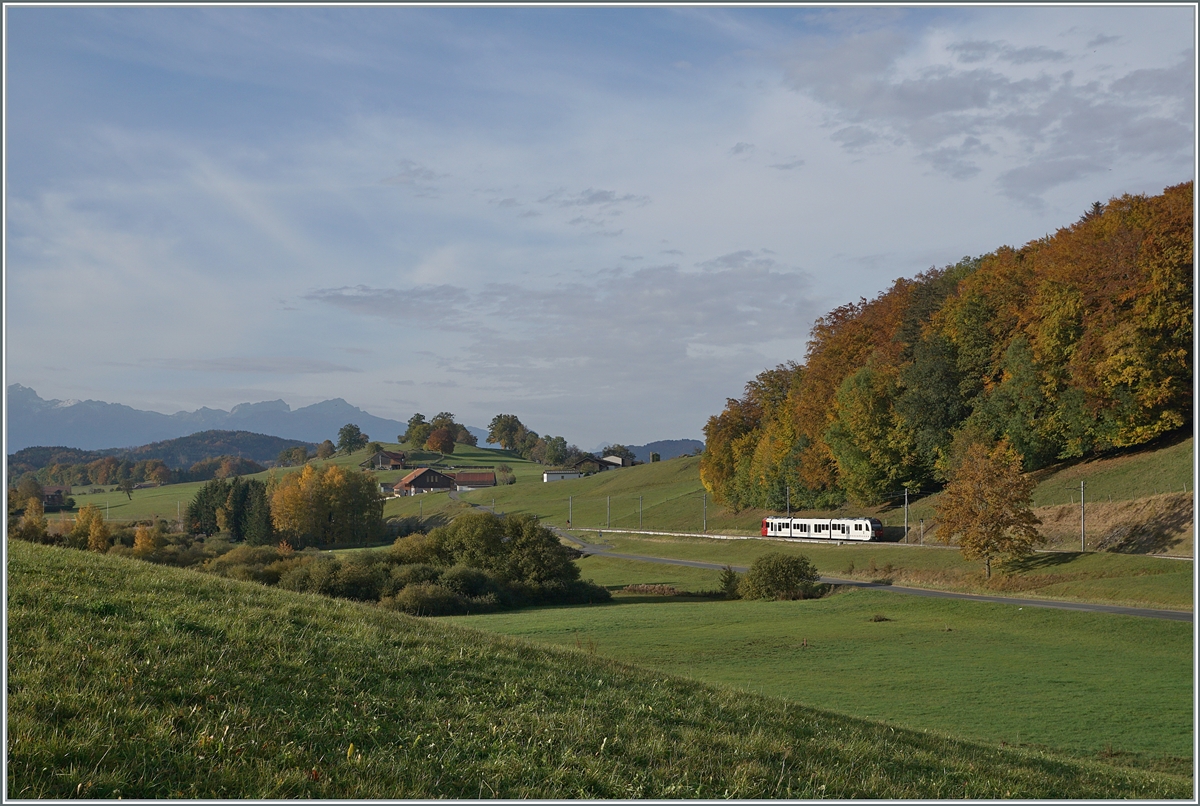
[[1073, 344]]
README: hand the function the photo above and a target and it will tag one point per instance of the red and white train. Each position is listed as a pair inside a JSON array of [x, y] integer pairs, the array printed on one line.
[[823, 528]]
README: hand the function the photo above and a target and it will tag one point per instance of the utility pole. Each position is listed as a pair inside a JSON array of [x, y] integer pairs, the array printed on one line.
[[570, 501], [1082, 520], [787, 495], [608, 513], [905, 514], [639, 512], [704, 503], [922, 531]]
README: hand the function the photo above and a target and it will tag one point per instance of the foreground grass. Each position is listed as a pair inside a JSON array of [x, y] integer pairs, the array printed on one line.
[[132, 680], [1092, 685], [1117, 579]]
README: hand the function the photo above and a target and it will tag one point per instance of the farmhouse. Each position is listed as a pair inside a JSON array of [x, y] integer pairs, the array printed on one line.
[[423, 480], [54, 497], [385, 460], [474, 479], [559, 475], [616, 461]]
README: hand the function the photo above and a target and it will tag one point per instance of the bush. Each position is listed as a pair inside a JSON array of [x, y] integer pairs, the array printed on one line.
[[467, 581], [427, 599], [780, 576], [730, 582], [359, 581]]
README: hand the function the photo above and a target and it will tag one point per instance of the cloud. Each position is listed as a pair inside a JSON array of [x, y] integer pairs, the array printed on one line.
[[261, 365], [742, 148], [592, 198], [413, 174], [1102, 39], [968, 103], [421, 304], [787, 166]]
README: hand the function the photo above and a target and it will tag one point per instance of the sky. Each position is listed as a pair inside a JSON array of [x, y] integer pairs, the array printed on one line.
[[604, 220]]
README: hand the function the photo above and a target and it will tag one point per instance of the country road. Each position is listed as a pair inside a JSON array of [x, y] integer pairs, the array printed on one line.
[[1143, 612]]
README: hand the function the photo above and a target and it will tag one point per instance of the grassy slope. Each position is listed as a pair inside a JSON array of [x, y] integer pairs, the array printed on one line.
[[134, 680], [1082, 683]]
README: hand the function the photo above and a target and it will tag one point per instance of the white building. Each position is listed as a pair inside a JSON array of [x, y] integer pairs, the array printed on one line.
[[559, 475]]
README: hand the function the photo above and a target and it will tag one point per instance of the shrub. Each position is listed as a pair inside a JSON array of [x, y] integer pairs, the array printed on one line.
[[467, 581], [730, 582], [357, 580], [780, 576], [247, 563], [427, 599]]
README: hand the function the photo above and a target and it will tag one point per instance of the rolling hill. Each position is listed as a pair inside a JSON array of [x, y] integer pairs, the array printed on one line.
[[127, 680]]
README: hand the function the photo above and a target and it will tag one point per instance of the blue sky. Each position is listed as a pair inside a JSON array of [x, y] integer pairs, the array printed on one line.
[[603, 220]]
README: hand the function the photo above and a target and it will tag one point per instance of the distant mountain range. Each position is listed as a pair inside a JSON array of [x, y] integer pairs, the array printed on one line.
[[94, 425]]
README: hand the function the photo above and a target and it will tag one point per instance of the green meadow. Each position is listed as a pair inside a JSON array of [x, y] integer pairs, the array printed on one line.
[[129, 680], [1105, 578], [1091, 685]]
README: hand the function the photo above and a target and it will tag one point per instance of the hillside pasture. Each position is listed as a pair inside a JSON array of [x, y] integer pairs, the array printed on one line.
[[1091, 685], [128, 680], [1118, 579]]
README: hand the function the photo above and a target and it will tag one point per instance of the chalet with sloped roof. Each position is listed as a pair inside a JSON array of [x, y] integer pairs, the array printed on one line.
[[385, 460], [424, 480]]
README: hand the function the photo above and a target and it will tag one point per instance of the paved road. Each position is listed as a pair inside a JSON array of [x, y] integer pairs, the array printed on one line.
[[1173, 615]]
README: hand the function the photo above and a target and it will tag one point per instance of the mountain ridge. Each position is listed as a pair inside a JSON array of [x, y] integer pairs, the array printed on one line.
[[97, 425]]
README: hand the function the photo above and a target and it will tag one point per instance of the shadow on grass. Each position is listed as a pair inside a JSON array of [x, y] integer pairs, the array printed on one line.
[[1044, 560]]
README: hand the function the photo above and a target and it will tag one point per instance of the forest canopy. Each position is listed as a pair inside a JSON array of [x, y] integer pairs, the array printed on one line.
[[1073, 344]]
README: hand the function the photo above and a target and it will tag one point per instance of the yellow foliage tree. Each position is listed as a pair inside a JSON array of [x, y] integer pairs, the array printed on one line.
[[99, 537], [987, 506], [33, 523]]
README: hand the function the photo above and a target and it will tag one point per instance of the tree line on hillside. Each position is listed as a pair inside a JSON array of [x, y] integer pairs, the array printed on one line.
[[510, 433], [177, 454], [111, 470], [1073, 344]]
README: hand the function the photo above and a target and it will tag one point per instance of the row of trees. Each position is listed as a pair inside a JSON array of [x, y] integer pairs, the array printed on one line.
[[312, 507], [510, 433], [111, 470], [1075, 343]]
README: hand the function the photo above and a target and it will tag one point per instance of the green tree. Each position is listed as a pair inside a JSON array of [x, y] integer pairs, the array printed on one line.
[[986, 506], [351, 439], [443, 419], [126, 485], [418, 431], [326, 449], [200, 518], [506, 430], [465, 437], [28, 487]]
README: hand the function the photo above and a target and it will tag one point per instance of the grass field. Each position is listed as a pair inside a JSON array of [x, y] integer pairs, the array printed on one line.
[[137, 681], [1093, 685], [1102, 577]]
